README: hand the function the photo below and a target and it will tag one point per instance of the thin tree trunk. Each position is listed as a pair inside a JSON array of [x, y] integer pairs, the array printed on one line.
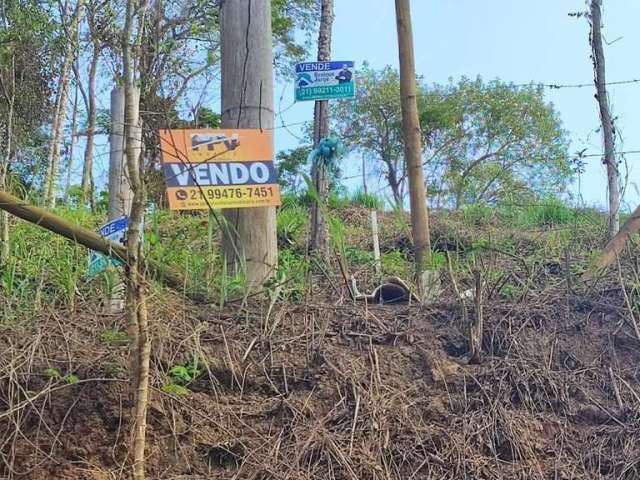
[[136, 297], [394, 184], [319, 239], [615, 246], [412, 142], [53, 157], [613, 175], [74, 134], [10, 97], [87, 166], [249, 240]]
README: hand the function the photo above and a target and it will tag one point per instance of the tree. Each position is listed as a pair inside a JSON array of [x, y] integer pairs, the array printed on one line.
[[608, 130], [289, 19], [290, 164], [482, 142], [135, 269], [70, 21], [99, 28], [27, 48], [412, 142], [372, 125], [489, 141], [319, 236]]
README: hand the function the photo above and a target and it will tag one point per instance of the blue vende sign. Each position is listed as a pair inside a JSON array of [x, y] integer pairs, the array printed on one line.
[[324, 80], [115, 231]]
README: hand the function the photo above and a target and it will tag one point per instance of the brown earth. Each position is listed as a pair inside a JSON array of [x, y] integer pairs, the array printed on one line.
[[335, 390]]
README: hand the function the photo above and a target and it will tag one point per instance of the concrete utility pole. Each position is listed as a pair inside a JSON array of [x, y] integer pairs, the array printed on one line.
[[613, 175], [319, 239], [412, 141], [120, 194], [249, 238]]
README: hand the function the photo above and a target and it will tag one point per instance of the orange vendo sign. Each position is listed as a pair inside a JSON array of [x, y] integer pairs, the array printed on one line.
[[219, 169]]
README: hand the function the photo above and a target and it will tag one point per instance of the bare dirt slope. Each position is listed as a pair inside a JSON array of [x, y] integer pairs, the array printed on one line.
[[335, 390]]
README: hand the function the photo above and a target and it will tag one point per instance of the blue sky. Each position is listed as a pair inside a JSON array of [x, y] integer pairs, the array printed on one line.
[[514, 40]]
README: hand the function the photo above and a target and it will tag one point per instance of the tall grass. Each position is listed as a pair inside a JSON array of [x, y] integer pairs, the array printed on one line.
[[367, 200]]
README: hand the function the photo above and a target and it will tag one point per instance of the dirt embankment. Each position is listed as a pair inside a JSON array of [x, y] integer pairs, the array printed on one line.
[[324, 391]]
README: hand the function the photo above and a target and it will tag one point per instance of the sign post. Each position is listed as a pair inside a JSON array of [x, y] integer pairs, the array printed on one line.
[[219, 168], [324, 81]]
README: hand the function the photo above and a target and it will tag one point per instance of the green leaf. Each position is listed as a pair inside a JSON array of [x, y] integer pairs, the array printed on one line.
[[174, 389]]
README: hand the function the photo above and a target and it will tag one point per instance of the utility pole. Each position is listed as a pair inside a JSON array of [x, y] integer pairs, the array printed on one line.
[[319, 239], [249, 238], [120, 194], [613, 175], [412, 142]]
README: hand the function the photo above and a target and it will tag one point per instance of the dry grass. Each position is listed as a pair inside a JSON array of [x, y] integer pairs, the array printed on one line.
[[339, 391]]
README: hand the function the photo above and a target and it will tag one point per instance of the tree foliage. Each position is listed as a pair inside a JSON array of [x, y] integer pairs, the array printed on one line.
[[28, 47], [290, 164], [483, 141]]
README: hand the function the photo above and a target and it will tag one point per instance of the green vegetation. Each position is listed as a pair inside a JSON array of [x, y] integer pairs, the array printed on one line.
[[54, 374], [181, 375], [367, 200], [114, 337], [45, 270], [483, 141]]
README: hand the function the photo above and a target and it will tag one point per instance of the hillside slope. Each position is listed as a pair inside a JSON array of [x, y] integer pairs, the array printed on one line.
[[328, 389]]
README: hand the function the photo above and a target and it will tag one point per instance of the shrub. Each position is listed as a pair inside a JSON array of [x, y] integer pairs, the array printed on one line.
[[291, 222], [549, 212], [477, 214]]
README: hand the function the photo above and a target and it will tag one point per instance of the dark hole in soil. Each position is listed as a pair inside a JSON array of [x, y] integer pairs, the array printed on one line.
[[455, 346], [225, 456]]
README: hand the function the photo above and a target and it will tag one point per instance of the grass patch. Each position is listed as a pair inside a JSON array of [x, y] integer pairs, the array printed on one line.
[[367, 200]]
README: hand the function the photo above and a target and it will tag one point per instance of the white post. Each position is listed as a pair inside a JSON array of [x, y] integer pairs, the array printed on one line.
[[376, 242]]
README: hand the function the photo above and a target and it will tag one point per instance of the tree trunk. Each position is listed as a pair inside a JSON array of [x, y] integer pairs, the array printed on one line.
[[412, 142], [613, 175], [53, 157], [319, 239], [394, 183], [615, 246], [249, 239], [87, 166], [10, 96], [74, 132], [136, 296]]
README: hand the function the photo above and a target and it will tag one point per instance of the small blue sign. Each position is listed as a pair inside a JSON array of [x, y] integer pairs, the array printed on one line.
[[324, 80], [114, 231]]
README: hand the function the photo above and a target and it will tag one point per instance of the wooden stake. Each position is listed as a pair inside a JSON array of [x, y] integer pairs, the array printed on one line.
[[376, 242], [476, 327]]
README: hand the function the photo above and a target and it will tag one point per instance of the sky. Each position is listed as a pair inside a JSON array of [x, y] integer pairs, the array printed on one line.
[[515, 40]]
